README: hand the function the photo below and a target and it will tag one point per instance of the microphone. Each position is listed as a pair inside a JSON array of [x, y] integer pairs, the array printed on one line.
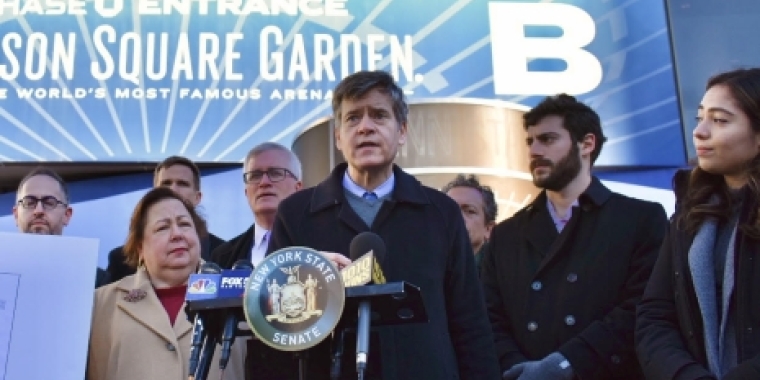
[[211, 296], [365, 268], [199, 332], [230, 325], [337, 354], [361, 244]]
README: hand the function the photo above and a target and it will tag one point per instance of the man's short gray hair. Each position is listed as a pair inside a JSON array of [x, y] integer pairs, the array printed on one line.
[[294, 165]]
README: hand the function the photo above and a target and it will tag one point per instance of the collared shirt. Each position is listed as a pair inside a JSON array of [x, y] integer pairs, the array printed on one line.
[[559, 222], [384, 189], [260, 244]]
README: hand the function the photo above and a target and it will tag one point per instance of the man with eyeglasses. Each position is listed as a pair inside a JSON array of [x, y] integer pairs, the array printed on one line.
[[42, 207], [183, 176], [271, 172]]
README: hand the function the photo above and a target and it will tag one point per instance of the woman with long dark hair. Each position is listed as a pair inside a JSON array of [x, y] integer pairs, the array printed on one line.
[[699, 317]]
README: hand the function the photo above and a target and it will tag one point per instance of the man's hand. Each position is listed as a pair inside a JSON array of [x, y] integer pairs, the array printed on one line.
[[552, 367], [515, 372], [337, 259]]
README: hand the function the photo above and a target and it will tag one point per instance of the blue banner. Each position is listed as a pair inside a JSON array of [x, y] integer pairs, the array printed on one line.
[[120, 80]]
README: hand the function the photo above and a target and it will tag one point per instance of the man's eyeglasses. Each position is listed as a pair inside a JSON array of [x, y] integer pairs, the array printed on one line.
[[274, 174], [49, 202]]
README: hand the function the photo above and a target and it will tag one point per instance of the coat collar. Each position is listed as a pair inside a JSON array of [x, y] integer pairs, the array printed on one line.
[[149, 311], [595, 195], [541, 231], [330, 191]]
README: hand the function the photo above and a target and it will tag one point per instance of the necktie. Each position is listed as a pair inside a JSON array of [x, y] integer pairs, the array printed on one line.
[[259, 251], [370, 196]]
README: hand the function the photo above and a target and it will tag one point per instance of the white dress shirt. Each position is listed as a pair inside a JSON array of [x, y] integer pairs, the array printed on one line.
[[260, 244]]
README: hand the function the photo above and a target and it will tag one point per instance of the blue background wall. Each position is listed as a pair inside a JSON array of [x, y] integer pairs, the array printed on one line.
[[102, 207], [453, 54]]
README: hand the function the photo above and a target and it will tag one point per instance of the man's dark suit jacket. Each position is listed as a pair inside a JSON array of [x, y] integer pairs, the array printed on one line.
[[118, 269], [101, 278], [236, 249], [456, 343]]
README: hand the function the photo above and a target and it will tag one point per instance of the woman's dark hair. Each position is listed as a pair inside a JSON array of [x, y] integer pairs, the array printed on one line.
[[744, 87], [140, 218]]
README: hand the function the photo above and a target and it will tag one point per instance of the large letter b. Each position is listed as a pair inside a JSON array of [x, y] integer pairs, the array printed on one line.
[[512, 50]]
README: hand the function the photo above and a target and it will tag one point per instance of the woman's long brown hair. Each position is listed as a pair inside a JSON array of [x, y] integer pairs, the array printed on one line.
[[744, 87]]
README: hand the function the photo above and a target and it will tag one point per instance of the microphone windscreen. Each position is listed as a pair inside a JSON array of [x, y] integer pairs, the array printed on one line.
[[242, 264], [210, 268], [365, 242]]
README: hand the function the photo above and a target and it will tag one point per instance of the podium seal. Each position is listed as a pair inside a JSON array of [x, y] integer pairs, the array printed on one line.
[[294, 299]]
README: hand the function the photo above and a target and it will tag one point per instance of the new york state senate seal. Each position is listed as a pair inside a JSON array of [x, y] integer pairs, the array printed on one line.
[[294, 299]]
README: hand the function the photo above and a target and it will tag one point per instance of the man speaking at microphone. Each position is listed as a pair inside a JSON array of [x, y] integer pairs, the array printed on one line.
[[423, 230]]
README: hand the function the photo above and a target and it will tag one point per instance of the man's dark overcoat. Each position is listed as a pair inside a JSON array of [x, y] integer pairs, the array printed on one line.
[[574, 292], [428, 246]]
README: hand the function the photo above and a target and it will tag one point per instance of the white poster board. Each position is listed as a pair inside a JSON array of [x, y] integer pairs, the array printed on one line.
[[46, 296]]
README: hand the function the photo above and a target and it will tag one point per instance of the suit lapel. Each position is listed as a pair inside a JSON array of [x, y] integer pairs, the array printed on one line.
[[243, 247], [348, 216], [182, 325], [205, 248], [560, 242], [147, 311], [383, 213], [541, 231]]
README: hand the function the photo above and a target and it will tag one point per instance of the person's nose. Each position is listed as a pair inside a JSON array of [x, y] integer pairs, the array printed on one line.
[[39, 208], [366, 124], [175, 232], [535, 150], [265, 180], [702, 131]]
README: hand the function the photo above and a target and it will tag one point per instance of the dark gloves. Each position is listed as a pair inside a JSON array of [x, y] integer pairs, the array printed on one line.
[[747, 369], [552, 367]]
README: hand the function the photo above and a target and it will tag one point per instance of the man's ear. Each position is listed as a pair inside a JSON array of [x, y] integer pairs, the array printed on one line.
[[489, 228], [588, 144], [198, 197], [67, 216], [402, 136], [336, 133]]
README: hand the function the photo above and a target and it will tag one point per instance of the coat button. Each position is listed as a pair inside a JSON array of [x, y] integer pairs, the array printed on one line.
[[536, 285], [570, 320], [171, 347], [532, 326], [572, 277], [615, 359]]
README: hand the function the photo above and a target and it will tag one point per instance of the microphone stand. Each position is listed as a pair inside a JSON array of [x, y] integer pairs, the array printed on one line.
[[337, 355], [204, 365], [302, 356], [362, 338], [196, 345]]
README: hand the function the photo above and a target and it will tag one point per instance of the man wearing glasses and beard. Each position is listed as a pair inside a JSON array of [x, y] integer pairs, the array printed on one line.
[[42, 207], [562, 277]]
